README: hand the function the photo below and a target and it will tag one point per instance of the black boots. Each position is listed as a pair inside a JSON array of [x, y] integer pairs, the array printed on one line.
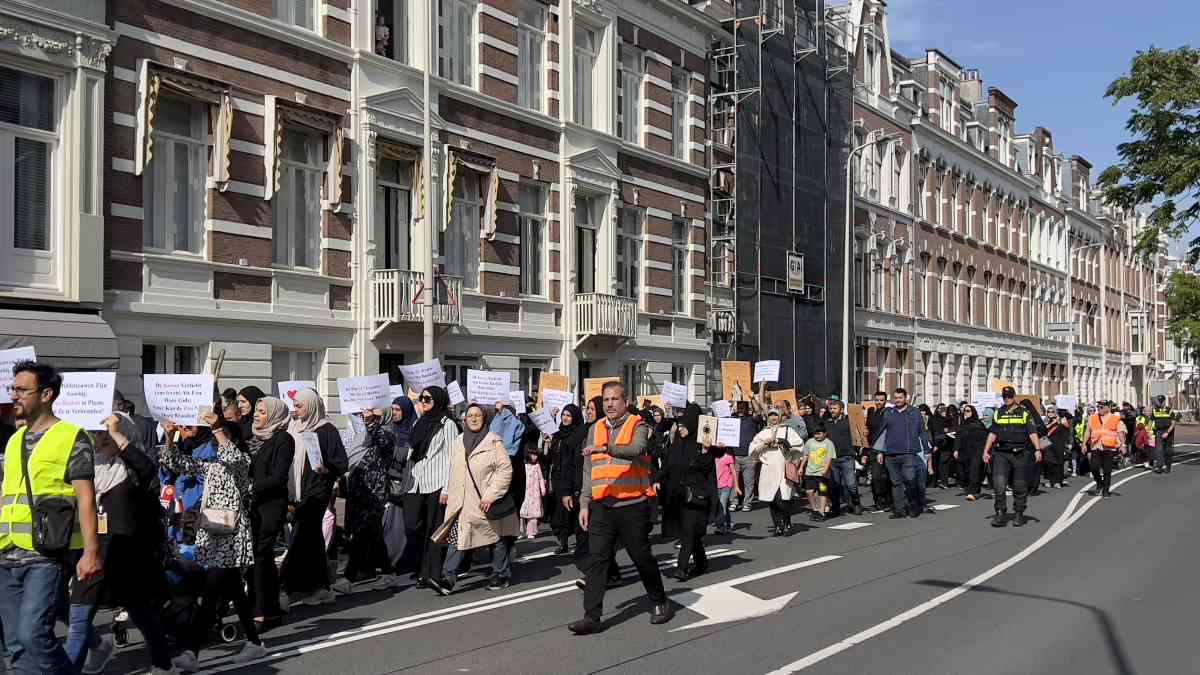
[[1018, 519], [562, 545], [1000, 519]]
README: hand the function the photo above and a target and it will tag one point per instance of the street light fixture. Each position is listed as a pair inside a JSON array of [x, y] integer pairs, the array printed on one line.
[[847, 294]]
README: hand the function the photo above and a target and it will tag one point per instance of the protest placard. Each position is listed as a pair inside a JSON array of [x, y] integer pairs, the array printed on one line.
[[985, 399], [489, 386], [518, 401], [1066, 402], [593, 386], [10, 358], [545, 423], [722, 408], [858, 424], [455, 392], [396, 391], [998, 384], [425, 374], [674, 395], [708, 430], [766, 371], [729, 431], [1035, 400], [556, 381], [86, 398], [645, 402], [289, 388], [736, 384], [555, 400], [312, 448], [785, 401], [178, 398], [367, 391]]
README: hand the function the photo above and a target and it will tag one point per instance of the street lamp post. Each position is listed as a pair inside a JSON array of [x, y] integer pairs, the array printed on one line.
[[847, 304], [1071, 312]]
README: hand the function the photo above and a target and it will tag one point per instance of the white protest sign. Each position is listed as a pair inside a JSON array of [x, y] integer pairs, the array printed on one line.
[[553, 399], [766, 371], [86, 398], [729, 431], [396, 391], [421, 375], [312, 446], [543, 420], [10, 358], [289, 388], [455, 391], [722, 408], [1066, 402], [367, 391], [178, 398], [674, 395], [518, 401], [985, 399], [488, 386]]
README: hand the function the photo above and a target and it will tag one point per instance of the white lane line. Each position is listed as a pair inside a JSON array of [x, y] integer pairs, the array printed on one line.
[[945, 507], [1064, 521], [368, 631], [539, 556], [848, 526]]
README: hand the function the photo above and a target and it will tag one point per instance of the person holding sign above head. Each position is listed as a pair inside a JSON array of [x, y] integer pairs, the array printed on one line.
[[616, 508], [50, 463], [272, 449], [776, 447], [318, 460], [565, 445], [687, 488]]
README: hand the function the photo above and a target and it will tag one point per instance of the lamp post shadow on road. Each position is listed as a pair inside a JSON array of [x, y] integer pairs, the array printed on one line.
[[1112, 639]]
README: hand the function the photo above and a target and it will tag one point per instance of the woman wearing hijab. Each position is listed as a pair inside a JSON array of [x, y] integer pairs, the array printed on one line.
[[969, 440], [127, 504], [1035, 471], [480, 476], [1059, 452], [222, 557], [687, 489], [774, 447], [432, 441], [271, 448], [247, 403], [367, 494], [304, 573], [563, 450]]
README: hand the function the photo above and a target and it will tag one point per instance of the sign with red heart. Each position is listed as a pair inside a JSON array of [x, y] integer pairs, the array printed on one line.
[[289, 389]]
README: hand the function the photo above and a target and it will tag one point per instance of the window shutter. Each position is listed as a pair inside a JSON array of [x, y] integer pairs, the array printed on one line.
[[273, 135], [147, 101]]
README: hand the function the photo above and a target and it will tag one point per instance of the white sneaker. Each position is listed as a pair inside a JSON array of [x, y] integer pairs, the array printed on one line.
[[99, 656], [343, 586], [250, 652], [323, 596], [186, 662]]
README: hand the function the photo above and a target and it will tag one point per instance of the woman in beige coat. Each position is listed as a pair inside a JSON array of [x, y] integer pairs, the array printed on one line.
[[480, 476]]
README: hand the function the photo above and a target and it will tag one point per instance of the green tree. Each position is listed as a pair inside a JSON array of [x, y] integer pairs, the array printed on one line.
[[1183, 305], [1161, 165]]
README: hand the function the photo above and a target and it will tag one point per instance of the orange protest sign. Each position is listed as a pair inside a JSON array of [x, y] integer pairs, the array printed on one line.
[[784, 400], [556, 381], [858, 424], [593, 386], [736, 382]]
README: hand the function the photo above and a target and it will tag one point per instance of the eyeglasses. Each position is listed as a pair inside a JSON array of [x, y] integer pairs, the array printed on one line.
[[22, 391], [425, 398]]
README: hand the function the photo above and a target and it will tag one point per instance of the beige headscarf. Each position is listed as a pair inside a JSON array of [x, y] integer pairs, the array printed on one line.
[[277, 417], [313, 418]]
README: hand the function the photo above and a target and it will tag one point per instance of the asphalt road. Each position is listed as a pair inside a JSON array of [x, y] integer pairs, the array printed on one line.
[[1091, 586]]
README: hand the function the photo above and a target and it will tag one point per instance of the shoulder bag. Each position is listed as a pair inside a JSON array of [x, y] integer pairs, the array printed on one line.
[[215, 521], [53, 518], [502, 507]]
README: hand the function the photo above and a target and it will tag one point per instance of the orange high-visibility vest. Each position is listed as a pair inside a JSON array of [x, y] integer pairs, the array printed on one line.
[[1105, 431], [614, 476]]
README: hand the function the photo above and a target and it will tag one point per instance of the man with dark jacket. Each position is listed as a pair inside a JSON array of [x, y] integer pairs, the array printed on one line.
[[905, 439], [747, 466], [881, 486], [845, 473], [147, 428]]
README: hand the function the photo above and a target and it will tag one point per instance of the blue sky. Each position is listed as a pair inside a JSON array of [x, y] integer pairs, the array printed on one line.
[[1054, 58]]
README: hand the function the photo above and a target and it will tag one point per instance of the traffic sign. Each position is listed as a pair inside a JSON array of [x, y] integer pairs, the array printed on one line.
[[1062, 329]]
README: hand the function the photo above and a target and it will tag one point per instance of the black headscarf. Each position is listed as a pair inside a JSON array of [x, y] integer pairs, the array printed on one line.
[[471, 439], [246, 422], [429, 424], [974, 419], [402, 430], [565, 431], [691, 421]]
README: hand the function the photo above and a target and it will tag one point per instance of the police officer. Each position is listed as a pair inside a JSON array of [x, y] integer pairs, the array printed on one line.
[[1164, 429], [1014, 437]]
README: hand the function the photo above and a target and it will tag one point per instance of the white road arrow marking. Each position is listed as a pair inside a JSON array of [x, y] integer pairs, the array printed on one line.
[[848, 526], [945, 507], [722, 602]]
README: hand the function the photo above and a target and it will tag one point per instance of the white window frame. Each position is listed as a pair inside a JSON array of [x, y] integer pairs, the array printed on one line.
[[586, 204], [160, 182], [457, 53], [167, 366], [9, 134], [631, 67], [295, 358], [398, 30], [529, 373], [464, 228], [897, 190], [531, 59], [583, 80], [533, 231], [629, 272], [285, 11], [385, 186], [680, 113], [456, 367], [312, 170], [680, 267]]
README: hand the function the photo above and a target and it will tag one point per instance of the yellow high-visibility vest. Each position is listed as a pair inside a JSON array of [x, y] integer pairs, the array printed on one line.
[[47, 471]]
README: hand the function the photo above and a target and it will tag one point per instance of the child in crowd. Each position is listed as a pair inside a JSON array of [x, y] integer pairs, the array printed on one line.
[[818, 458], [535, 491], [727, 485]]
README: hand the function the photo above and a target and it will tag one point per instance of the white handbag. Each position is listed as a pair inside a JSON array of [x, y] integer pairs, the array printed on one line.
[[216, 521]]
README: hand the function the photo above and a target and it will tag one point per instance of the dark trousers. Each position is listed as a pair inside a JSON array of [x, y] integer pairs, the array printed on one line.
[[266, 522], [902, 472], [947, 467], [368, 552], [881, 484], [423, 515], [1101, 462], [583, 545], [608, 526], [221, 586], [692, 524], [1164, 452], [781, 511], [1054, 472], [972, 466], [1011, 469], [565, 521], [306, 567]]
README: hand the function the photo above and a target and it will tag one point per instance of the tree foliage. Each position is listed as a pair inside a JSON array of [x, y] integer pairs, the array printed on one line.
[[1161, 165], [1183, 304]]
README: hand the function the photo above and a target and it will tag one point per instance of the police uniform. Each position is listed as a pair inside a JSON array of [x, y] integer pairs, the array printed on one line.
[[1012, 458], [1164, 445]]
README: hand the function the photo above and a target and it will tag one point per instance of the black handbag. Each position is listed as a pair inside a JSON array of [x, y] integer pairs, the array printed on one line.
[[501, 508], [53, 519], [694, 497]]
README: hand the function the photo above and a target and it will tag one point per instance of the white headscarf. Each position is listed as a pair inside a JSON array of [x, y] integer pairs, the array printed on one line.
[[313, 418]]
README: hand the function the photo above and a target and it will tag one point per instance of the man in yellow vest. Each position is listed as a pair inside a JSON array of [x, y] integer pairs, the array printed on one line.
[[59, 456], [1164, 436], [1011, 451], [615, 508]]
